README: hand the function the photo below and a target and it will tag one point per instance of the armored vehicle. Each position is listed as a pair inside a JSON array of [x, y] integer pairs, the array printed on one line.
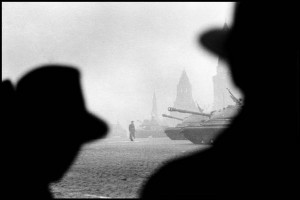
[[173, 132], [210, 129], [150, 128], [195, 119]]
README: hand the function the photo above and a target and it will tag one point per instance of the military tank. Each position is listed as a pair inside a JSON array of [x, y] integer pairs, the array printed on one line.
[[150, 128], [174, 132], [195, 119], [219, 120]]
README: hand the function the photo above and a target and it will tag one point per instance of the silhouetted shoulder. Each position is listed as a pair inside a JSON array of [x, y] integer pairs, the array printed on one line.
[[187, 177]]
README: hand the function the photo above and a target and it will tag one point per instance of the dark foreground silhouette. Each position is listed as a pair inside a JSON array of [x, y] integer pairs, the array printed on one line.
[[257, 157], [47, 123], [8, 166]]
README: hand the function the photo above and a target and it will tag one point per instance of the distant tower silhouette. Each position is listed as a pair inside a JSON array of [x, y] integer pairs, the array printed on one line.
[[184, 99], [154, 114], [221, 81]]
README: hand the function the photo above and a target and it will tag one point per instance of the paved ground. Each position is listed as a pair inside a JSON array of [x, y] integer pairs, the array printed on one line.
[[118, 168]]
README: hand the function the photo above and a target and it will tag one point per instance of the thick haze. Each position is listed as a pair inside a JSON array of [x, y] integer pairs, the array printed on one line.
[[125, 51]]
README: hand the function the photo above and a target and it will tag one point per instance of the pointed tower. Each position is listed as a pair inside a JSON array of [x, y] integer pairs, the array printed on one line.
[[184, 98], [225, 27], [184, 90], [154, 114], [221, 81]]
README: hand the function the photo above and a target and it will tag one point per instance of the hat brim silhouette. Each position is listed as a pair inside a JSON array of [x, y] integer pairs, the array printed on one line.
[[215, 41], [95, 127], [52, 95]]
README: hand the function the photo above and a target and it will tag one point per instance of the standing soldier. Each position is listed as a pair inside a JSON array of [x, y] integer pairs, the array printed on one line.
[[131, 131]]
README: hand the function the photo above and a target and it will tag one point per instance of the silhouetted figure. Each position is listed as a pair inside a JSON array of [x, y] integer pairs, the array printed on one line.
[[7, 102], [52, 124], [257, 156], [131, 131], [8, 124]]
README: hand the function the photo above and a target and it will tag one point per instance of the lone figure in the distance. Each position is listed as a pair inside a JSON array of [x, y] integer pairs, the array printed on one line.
[[131, 131]]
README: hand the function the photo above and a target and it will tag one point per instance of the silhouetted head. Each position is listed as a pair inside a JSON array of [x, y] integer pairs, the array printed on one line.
[[254, 46], [54, 119]]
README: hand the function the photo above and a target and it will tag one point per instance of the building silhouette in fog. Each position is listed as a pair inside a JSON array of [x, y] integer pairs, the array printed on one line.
[[154, 113], [184, 98], [154, 121], [221, 81]]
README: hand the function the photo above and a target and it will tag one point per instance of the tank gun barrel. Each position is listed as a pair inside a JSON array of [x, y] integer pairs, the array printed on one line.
[[171, 109], [169, 116]]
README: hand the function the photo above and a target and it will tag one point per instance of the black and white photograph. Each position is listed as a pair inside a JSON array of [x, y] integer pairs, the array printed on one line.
[[154, 100]]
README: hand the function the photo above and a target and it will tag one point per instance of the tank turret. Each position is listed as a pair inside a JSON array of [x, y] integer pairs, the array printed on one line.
[[195, 119], [219, 120]]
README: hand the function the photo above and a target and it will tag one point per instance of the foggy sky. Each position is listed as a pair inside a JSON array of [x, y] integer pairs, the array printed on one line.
[[125, 51]]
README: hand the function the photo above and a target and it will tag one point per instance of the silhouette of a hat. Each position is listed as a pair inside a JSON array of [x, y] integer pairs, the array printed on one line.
[[215, 40], [52, 95]]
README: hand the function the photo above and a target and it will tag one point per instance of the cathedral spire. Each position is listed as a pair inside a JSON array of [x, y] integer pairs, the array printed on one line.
[[184, 98], [184, 80], [154, 107], [225, 27]]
